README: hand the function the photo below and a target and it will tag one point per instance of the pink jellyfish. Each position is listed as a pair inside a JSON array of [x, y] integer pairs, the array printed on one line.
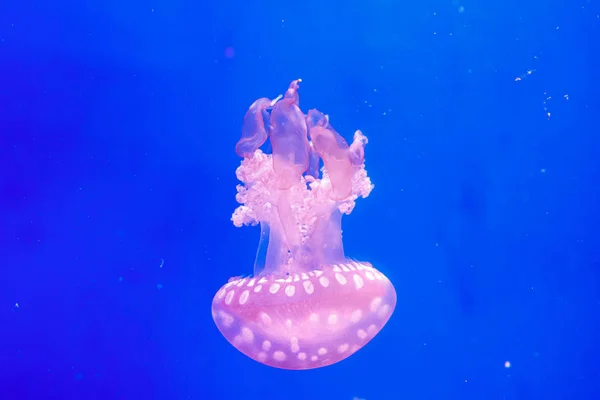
[[306, 306]]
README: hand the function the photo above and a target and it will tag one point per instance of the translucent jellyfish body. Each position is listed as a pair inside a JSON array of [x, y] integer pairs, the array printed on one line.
[[306, 306]]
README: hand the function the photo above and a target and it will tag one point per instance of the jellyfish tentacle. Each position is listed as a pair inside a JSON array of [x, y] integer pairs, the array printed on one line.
[[289, 139], [341, 160], [254, 133], [291, 158], [256, 126]]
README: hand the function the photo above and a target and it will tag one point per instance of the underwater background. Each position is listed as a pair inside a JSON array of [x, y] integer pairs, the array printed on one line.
[[118, 123]]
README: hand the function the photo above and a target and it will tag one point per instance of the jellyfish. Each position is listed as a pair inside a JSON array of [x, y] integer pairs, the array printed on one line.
[[306, 305]]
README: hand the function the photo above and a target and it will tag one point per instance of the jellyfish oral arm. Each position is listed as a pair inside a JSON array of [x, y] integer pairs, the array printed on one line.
[[302, 210], [304, 293]]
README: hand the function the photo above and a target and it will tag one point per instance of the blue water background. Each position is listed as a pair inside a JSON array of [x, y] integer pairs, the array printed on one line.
[[118, 122]]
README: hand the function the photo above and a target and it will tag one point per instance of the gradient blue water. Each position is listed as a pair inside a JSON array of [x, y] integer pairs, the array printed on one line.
[[118, 122]]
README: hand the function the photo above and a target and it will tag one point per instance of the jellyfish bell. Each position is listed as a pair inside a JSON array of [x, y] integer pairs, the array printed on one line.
[[307, 320], [306, 305]]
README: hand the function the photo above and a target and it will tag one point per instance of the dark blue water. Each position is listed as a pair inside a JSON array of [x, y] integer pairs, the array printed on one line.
[[118, 122]]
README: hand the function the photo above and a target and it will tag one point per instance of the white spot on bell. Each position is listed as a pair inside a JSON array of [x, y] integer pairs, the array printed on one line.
[[361, 334], [369, 275], [313, 317], [229, 297], [301, 356], [341, 278], [279, 356], [332, 319], [226, 319], [262, 356], [244, 297], [356, 316], [342, 348], [251, 283], [294, 346], [257, 288], [266, 345], [344, 268], [265, 319], [358, 281], [324, 281], [375, 304], [308, 287], [384, 311], [247, 335], [290, 290], [322, 351], [274, 288], [238, 340]]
